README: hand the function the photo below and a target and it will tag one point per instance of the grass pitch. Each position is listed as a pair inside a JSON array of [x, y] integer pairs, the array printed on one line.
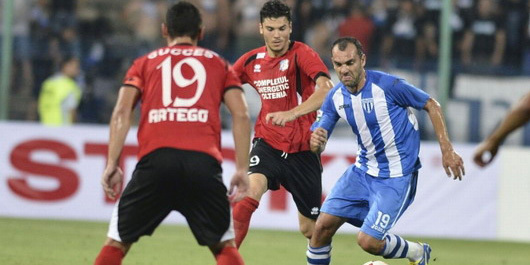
[[52, 242]]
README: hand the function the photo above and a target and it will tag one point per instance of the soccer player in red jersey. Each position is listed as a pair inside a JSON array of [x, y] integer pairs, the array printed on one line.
[[180, 88], [284, 73]]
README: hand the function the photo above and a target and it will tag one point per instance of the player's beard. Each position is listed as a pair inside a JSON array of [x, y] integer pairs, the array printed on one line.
[[354, 83]]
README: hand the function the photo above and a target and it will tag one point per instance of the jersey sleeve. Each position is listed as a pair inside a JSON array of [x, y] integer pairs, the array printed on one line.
[[311, 64], [327, 116], [239, 69], [134, 77], [407, 95], [232, 80]]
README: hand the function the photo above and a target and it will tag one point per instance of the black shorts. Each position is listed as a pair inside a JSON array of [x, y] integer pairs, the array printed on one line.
[[169, 179], [299, 173]]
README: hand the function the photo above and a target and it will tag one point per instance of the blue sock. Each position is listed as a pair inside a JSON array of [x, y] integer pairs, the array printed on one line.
[[396, 247], [320, 255]]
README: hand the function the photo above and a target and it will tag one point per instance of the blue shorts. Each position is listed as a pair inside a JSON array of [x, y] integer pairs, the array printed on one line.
[[371, 203]]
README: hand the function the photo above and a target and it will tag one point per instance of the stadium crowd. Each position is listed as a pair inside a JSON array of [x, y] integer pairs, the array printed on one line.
[[489, 36]]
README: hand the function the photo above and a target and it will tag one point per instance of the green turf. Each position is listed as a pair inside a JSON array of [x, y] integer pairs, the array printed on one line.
[[50, 242]]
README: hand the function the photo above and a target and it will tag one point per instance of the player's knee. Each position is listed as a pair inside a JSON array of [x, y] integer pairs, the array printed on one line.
[[255, 194], [217, 248], [257, 187], [307, 231], [117, 244], [325, 230], [370, 244]]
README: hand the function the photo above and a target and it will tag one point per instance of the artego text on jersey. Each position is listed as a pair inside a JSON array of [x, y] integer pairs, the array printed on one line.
[[178, 115]]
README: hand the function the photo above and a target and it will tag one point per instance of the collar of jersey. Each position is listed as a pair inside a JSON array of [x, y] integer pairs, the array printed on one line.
[[276, 58], [183, 44]]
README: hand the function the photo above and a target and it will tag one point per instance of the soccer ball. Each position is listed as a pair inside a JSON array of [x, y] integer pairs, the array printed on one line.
[[375, 262]]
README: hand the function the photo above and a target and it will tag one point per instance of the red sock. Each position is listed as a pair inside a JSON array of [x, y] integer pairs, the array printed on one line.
[[229, 256], [242, 212], [109, 255]]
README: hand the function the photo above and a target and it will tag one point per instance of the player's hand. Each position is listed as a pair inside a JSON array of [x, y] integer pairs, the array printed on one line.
[[453, 165], [238, 186], [485, 153], [280, 118], [112, 180], [318, 140]]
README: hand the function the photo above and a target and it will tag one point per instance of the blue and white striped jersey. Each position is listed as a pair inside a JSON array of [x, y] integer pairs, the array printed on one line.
[[379, 115]]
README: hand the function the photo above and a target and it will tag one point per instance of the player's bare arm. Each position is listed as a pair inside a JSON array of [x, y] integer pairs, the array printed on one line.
[[452, 162], [517, 117], [120, 124], [318, 140], [236, 104], [313, 103]]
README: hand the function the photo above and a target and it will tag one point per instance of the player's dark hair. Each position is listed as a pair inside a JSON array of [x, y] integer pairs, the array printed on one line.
[[343, 42], [183, 19], [275, 9]]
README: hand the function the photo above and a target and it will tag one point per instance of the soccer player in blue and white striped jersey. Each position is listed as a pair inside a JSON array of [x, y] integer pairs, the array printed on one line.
[[374, 192]]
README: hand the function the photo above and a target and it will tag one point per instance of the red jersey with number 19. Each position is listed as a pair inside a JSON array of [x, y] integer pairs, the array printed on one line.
[[283, 83], [182, 87]]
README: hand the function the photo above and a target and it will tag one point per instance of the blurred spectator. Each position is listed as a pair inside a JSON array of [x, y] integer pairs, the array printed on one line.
[[465, 6], [359, 26], [107, 35], [429, 34], [515, 12], [246, 27], [484, 39], [144, 18], [21, 70], [41, 51], [63, 14], [325, 29], [302, 17], [93, 29], [60, 95], [526, 43], [217, 22], [399, 47], [67, 43], [63, 39], [379, 11], [94, 32]]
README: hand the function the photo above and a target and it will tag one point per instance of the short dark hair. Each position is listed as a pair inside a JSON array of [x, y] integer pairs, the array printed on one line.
[[183, 19], [275, 9], [344, 41]]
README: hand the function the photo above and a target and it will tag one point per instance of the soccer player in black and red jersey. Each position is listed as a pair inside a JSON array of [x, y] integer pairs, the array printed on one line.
[[180, 88], [284, 73]]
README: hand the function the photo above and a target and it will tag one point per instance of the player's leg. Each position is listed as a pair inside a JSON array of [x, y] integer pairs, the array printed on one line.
[[112, 252], [307, 225], [303, 179], [344, 203], [243, 210], [391, 197], [204, 203], [395, 247], [319, 247], [263, 169], [139, 211], [226, 253]]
